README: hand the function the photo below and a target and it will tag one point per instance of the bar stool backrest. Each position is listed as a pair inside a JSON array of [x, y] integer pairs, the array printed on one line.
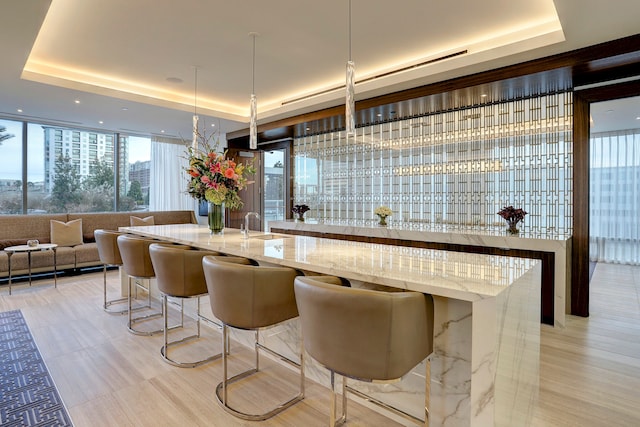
[[248, 296], [179, 270], [364, 334], [107, 242], [136, 260]]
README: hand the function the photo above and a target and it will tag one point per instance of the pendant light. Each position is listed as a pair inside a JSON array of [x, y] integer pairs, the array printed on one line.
[[194, 142], [350, 104], [253, 106]]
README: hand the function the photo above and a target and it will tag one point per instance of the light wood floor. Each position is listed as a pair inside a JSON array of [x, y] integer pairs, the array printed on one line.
[[590, 371], [108, 377]]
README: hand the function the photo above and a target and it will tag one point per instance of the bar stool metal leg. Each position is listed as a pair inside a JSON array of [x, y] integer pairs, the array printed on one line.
[[164, 350], [133, 320], [222, 388]]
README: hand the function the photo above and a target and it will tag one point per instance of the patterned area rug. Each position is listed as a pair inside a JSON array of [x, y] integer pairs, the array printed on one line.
[[29, 396]]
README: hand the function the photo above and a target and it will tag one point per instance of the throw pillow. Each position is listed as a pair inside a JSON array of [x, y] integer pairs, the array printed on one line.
[[135, 221], [66, 233]]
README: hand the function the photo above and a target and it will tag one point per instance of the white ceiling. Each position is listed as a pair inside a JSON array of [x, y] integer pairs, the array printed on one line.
[[115, 56], [619, 114]]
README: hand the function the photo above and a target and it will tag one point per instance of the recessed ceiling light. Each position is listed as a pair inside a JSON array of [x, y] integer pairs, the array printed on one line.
[[19, 110], [174, 80], [77, 101], [484, 95], [101, 122], [379, 114], [162, 131], [213, 124], [125, 109], [308, 129], [638, 118]]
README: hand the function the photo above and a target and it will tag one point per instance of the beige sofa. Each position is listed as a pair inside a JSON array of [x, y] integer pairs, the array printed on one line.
[[17, 229]]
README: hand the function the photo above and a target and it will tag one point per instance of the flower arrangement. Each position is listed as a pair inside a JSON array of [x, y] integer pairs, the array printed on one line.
[[383, 212], [512, 216], [215, 178], [300, 210]]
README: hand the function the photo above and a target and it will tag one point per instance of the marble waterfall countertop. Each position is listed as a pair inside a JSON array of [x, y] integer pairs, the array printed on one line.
[[494, 236], [485, 364]]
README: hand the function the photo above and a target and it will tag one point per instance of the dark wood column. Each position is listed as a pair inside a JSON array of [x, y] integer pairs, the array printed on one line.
[[580, 240]]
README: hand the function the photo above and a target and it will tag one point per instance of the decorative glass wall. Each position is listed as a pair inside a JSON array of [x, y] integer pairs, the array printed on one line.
[[457, 167]]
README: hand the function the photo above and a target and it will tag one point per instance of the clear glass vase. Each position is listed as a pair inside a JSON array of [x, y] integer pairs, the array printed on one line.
[[216, 218], [512, 227]]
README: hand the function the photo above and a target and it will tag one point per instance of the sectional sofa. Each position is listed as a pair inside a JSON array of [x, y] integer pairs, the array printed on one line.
[[83, 252]]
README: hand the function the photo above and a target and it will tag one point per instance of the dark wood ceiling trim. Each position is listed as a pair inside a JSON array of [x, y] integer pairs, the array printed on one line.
[[598, 63]]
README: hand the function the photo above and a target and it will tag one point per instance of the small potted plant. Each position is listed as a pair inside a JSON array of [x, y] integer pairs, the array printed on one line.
[[383, 212], [299, 210], [512, 216]]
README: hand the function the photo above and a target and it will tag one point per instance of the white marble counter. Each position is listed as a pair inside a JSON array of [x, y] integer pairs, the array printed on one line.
[[493, 236], [484, 369]]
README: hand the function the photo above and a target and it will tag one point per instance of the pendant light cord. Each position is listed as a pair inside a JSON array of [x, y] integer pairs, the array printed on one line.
[[195, 92], [253, 69], [349, 30]]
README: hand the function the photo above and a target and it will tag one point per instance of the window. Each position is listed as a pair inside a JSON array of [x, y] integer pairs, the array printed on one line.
[[10, 167], [135, 160]]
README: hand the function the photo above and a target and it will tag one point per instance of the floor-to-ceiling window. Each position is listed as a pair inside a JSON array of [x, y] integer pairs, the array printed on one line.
[[614, 220], [59, 169], [274, 186], [10, 167], [135, 173]]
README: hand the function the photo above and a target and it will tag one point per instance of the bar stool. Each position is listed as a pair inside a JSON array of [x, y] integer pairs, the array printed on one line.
[[136, 263], [179, 275], [251, 297], [364, 334], [107, 241]]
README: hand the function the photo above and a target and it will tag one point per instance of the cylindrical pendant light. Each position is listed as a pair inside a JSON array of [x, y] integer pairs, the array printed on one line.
[[350, 104], [253, 106]]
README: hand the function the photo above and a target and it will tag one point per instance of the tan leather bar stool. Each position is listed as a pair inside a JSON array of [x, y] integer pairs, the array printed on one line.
[[179, 275], [107, 241], [251, 297], [136, 263], [364, 334]]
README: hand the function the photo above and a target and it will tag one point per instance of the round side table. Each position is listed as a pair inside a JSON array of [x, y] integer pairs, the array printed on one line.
[[28, 249]]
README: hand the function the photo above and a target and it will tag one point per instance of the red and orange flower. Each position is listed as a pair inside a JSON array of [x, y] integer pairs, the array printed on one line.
[[215, 178]]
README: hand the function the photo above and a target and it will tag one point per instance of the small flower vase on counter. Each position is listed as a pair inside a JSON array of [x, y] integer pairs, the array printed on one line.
[[382, 212], [299, 211], [216, 218], [513, 217]]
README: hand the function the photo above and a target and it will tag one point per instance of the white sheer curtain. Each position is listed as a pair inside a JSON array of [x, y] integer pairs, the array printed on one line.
[[167, 189], [615, 197]]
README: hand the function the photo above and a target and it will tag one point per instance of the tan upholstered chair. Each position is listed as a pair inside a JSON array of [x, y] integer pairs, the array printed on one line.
[[136, 263], [107, 242], [363, 334], [250, 297], [179, 275]]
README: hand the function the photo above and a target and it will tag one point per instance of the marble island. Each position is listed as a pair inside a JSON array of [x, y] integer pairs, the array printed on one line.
[[552, 247], [486, 314]]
